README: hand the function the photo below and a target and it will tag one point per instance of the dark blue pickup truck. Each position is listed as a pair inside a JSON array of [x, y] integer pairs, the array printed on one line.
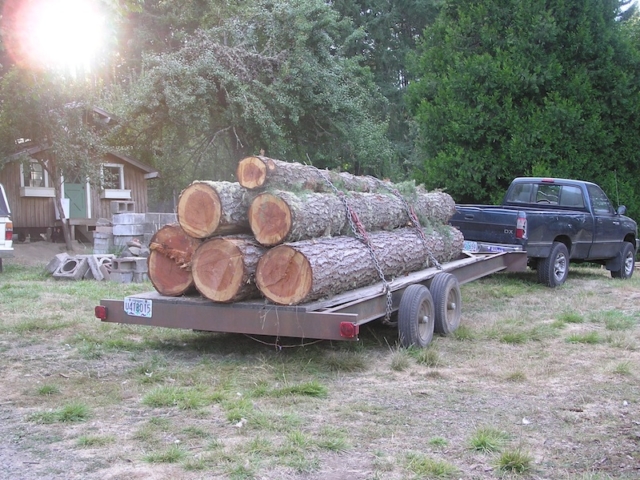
[[555, 221]]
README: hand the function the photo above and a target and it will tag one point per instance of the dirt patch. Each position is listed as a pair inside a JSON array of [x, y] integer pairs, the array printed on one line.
[[40, 253]]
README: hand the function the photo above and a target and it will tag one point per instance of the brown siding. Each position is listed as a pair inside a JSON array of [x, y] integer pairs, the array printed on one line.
[[40, 213], [25, 211]]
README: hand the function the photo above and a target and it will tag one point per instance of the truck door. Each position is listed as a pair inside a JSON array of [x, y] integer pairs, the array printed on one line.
[[606, 238]]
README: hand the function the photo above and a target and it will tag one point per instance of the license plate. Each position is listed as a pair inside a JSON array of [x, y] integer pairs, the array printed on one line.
[[137, 307], [470, 246]]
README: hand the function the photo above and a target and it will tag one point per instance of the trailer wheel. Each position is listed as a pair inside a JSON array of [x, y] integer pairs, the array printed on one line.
[[627, 262], [416, 317], [553, 270], [448, 302]]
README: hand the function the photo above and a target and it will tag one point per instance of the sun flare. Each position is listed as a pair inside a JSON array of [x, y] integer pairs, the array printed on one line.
[[67, 34]]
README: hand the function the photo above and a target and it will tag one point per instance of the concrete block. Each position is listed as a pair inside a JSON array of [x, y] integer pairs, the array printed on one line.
[[73, 268], [121, 277], [105, 270], [56, 261], [122, 207], [128, 219], [128, 230], [95, 261], [105, 230], [140, 277], [129, 264]]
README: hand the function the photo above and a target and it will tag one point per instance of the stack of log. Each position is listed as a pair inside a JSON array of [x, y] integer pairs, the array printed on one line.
[[293, 233]]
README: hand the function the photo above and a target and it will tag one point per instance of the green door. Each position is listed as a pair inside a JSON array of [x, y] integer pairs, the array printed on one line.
[[77, 195]]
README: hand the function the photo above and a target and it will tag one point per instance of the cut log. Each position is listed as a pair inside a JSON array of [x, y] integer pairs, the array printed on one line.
[[208, 208], [224, 267], [256, 172], [294, 273], [169, 263], [281, 216]]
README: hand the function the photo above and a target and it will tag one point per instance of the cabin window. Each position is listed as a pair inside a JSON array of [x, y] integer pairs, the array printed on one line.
[[113, 182], [599, 201], [34, 180]]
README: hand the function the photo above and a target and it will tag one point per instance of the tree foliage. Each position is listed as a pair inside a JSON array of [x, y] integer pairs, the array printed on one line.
[[510, 88], [274, 78]]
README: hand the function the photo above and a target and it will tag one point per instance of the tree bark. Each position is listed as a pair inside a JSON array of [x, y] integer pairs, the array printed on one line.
[[223, 268], [303, 271], [169, 264], [258, 172], [208, 208], [281, 216]]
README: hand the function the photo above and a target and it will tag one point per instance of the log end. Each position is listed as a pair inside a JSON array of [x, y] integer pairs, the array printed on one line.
[[199, 210], [270, 219], [218, 269], [251, 172], [284, 275], [169, 263]]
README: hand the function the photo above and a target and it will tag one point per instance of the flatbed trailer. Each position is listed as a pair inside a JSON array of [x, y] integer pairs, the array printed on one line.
[[426, 301]]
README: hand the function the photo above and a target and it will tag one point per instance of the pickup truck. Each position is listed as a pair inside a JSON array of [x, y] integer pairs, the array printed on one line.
[[556, 221], [6, 228]]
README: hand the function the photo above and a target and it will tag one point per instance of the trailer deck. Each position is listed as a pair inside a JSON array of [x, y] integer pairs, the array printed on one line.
[[335, 318]]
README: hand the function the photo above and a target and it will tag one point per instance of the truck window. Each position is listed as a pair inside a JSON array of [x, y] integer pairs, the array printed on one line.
[[599, 201], [520, 193], [548, 194], [571, 196]]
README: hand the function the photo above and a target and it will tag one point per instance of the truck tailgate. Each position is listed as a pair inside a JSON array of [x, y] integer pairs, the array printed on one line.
[[486, 223]]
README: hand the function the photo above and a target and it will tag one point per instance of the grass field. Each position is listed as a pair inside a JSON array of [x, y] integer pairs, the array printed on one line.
[[536, 383]]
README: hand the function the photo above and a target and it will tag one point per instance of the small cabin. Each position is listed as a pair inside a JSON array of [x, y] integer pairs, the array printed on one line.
[[32, 198]]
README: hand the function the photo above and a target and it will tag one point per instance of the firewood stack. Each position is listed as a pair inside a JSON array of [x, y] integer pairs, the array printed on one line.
[[292, 233]]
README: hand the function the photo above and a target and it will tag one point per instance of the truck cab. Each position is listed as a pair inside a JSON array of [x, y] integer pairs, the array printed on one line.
[[6, 228]]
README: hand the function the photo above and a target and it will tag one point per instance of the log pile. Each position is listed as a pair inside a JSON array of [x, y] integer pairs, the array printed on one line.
[[292, 234]]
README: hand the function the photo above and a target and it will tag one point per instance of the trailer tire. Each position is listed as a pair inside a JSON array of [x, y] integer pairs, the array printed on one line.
[[627, 262], [553, 270], [448, 302], [416, 317]]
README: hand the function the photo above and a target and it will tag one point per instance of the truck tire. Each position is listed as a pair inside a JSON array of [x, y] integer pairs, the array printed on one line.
[[448, 302], [627, 262], [416, 317], [553, 270]]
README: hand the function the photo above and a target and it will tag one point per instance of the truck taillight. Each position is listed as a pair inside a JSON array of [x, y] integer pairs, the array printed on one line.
[[8, 231], [521, 225]]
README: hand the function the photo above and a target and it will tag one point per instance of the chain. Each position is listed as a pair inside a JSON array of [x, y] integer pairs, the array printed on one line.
[[413, 218], [361, 234]]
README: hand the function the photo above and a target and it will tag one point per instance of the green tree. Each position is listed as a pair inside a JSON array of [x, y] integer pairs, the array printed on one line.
[[272, 77], [386, 32], [510, 88], [44, 110]]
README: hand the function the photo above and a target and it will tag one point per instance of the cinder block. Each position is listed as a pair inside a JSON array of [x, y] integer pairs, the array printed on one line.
[[140, 277], [128, 230], [121, 277], [72, 269], [129, 264], [122, 207], [128, 219], [56, 261], [105, 230], [105, 270], [95, 261]]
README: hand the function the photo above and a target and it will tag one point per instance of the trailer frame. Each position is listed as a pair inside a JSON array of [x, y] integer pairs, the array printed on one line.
[[335, 318]]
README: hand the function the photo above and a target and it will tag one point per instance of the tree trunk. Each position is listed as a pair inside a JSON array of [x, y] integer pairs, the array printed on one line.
[[169, 264], [213, 208], [256, 172], [224, 267], [280, 216], [299, 272]]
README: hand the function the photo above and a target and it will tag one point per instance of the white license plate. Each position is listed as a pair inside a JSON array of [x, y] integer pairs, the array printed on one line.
[[470, 246], [137, 307]]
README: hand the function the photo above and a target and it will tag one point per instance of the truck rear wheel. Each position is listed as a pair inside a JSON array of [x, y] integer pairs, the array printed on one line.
[[416, 317], [627, 262], [448, 302], [553, 270]]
